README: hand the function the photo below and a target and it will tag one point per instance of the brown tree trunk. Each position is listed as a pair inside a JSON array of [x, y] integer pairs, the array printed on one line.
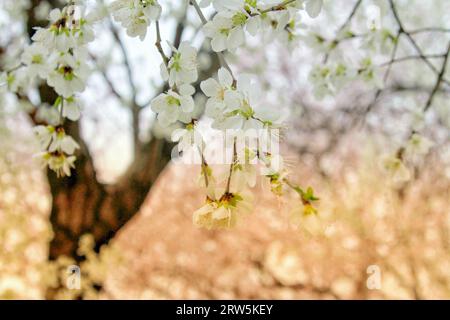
[[80, 204]]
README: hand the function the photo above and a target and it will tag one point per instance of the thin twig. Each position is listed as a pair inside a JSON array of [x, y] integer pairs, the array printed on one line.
[[438, 81], [429, 29], [158, 44], [220, 55], [342, 27], [430, 99], [413, 57], [278, 7], [227, 190], [350, 17], [61, 112], [108, 81], [126, 60], [393, 54], [402, 30]]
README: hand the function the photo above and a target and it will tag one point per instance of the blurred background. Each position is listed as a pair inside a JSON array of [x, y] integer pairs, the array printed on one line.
[[125, 216]]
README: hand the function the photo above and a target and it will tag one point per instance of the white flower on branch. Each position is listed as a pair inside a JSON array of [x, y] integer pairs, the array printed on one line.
[[70, 109], [171, 106], [224, 34], [59, 149], [187, 138], [418, 145], [220, 93], [182, 67], [44, 134], [70, 74], [18, 79], [243, 174], [245, 109], [306, 218], [35, 58], [59, 162], [329, 79], [396, 169], [63, 143], [136, 15], [58, 36], [54, 139], [223, 213]]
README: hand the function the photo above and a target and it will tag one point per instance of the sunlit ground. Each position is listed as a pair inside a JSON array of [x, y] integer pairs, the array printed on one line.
[[370, 240]]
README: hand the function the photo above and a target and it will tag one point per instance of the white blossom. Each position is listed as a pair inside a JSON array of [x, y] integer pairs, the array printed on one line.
[[70, 74], [36, 58], [187, 138], [313, 7], [396, 169], [170, 106], [222, 213], [44, 134], [306, 218], [418, 145], [220, 93], [224, 33], [59, 162], [182, 67], [71, 109], [136, 15], [58, 36], [18, 79], [245, 110], [63, 143], [329, 79], [54, 139]]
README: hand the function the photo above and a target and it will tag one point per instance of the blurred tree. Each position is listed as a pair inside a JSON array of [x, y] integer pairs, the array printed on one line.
[[82, 203]]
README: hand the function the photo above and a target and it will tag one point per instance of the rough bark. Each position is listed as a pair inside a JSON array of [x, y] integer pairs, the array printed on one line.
[[83, 205]]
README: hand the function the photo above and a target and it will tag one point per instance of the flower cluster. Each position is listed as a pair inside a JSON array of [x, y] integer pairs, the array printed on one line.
[[233, 104], [330, 78], [177, 104], [395, 165], [236, 104], [136, 15], [222, 213], [227, 28], [59, 148], [58, 56]]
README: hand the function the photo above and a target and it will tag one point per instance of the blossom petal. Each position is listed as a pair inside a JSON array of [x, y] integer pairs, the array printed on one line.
[[225, 77], [210, 87]]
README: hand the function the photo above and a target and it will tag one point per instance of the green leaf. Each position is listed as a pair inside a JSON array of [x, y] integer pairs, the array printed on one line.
[[57, 101]]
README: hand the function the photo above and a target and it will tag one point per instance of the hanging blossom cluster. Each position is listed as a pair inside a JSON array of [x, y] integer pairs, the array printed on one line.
[[177, 104], [235, 106], [136, 15], [235, 17], [57, 55]]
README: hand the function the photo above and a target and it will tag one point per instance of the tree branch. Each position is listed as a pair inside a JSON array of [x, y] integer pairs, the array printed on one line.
[[220, 55], [402, 30]]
